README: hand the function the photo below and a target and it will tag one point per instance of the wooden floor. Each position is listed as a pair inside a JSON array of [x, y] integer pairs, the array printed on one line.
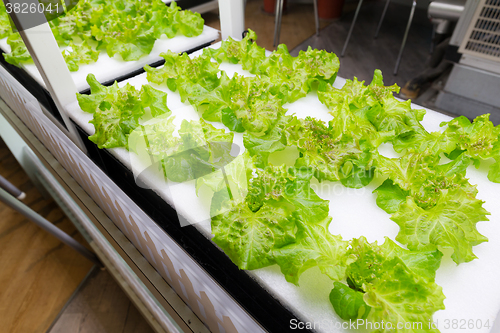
[[39, 274], [100, 306]]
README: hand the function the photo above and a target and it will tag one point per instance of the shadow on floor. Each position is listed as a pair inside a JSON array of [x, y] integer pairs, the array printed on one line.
[[100, 306]]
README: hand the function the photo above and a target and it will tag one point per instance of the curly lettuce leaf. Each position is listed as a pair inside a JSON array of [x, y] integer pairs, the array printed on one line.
[[390, 196], [254, 105], [451, 223], [113, 124], [390, 116], [494, 171], [289, 78], [348, 303], [214, 104], [128, 28], [328, 156], [155, 99], [246, 51], [132, 44], [116, 111], [399, 296], [248, 237], [79, 54], [200, 150], [478, 140], [357, 173], [314, 246], [284, 191], [275, 140], [19, 53], [241, 103], [420, 175], [318, 64], [192, 77], [190, 24], [288, 186], [293, 77], [393, 287], [98, 93], [116, 116], [356, 94], [422, 263]]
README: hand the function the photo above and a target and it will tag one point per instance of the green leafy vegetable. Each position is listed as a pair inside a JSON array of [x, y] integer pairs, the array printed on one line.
[[451, 223], [390, 196], [79, 54], [117, 110], [327, 155], [284, 191], [199, 150], [249, 237], [393, 287], [128, 28], [314, 246], [478, 140], [19, 53], [348, 303]]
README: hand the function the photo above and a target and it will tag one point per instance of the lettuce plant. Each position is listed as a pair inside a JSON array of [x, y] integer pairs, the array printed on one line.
[[124, 28]]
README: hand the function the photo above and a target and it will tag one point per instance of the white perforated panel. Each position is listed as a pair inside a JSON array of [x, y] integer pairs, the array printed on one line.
[[483, 36]]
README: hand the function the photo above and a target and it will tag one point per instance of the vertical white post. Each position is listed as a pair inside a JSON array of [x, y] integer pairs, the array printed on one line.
[[49, 61], [232, 18]]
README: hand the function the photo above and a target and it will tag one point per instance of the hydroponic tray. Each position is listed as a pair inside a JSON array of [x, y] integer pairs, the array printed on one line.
[[472, 289], [108, 69]]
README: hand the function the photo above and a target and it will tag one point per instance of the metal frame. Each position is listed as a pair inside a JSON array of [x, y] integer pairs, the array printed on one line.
[[21, 208], [279, 15], [403, 43]]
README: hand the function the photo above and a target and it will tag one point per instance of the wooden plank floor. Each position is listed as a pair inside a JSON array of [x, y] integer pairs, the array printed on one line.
[[100, 306], [38, 273]]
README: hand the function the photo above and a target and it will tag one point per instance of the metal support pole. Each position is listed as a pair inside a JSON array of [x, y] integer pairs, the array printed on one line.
[[11, 189], [47, 226], [352, 27], [410, 19], [277, 21], [382, 18], [316, 16]]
